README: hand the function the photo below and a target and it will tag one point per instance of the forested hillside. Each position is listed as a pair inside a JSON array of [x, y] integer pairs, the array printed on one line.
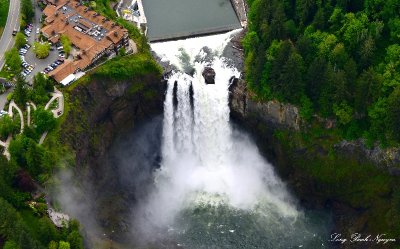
[[336, 58]]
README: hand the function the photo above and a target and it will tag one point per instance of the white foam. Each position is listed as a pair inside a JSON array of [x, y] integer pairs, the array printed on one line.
[[204, 162]]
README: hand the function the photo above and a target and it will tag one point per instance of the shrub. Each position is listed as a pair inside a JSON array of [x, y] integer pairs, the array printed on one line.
[[41, 50]]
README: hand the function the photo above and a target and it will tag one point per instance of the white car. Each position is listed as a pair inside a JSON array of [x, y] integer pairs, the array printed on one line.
[[37, 31], [3, 112]]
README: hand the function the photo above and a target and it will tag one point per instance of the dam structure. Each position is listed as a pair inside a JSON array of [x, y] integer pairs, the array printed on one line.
[[179, 19]]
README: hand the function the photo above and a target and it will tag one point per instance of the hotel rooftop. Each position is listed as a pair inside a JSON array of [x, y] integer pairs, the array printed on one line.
[[91, 33]]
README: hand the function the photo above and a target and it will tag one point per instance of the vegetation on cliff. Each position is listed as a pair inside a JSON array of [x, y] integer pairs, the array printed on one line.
[[338, 59], [23, 219], [365, 197]]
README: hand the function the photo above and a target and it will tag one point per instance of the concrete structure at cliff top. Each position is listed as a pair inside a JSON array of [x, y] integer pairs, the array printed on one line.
[[91, 34], [132, 10], [176, 19]]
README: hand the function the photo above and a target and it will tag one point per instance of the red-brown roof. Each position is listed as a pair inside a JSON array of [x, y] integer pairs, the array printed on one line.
[[62, 71], [89, 46]]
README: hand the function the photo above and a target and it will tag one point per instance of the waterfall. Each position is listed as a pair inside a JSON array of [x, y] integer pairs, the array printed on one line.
[[207, 165]]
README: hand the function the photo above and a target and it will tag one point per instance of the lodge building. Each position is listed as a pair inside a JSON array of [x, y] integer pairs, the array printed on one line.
[[91, 34]]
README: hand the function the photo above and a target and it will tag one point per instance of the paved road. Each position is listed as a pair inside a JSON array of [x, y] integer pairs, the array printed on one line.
[[7, 40]]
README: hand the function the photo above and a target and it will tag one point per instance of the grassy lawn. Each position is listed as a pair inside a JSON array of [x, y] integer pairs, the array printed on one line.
[[4, 4]]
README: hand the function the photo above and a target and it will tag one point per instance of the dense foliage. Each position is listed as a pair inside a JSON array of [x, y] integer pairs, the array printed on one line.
[[328, 174], [41, 88], [20, 40], [66, 43], [13, 60], [24, 224], [4, 5], [23, 218], [8, 126], [41, 50], [27, 12], [339, 59], [122, 68]]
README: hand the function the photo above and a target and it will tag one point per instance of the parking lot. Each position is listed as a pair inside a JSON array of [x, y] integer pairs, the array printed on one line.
[[37, 65]]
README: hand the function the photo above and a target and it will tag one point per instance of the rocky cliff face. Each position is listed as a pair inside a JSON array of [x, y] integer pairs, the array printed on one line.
[[386, 159], [100, 109], [276, 115]]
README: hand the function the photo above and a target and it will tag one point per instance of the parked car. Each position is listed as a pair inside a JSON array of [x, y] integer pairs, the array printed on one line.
[[8, 85]]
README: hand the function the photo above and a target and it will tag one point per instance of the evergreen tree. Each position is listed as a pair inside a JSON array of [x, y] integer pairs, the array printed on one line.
[[20, 94]]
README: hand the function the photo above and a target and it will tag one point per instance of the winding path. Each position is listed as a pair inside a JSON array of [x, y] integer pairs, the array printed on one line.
[[10, 111], [7, 40], [60, 97]]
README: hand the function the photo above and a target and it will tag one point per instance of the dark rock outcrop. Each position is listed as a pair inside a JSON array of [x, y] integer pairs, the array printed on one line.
[[209, 75], [275, 115], [385, 158], [101, 109], [244, 107]]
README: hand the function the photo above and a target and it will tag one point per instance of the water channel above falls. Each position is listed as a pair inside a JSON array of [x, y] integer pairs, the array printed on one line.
[[168, 19]]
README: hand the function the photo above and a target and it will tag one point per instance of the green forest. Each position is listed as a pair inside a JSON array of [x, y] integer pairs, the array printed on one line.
[[24, 222], [334, 58]]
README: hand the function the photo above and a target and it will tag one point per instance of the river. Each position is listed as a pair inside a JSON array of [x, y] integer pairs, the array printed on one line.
[[181, 18]]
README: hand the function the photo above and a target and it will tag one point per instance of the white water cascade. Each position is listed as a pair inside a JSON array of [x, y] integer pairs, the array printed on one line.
[[205, 162]]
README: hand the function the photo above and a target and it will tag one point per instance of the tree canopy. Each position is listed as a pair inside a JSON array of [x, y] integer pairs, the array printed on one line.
[[20, 40], [13, 60], [67, 44], [41, 50], [44, 120], [342, 56]]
